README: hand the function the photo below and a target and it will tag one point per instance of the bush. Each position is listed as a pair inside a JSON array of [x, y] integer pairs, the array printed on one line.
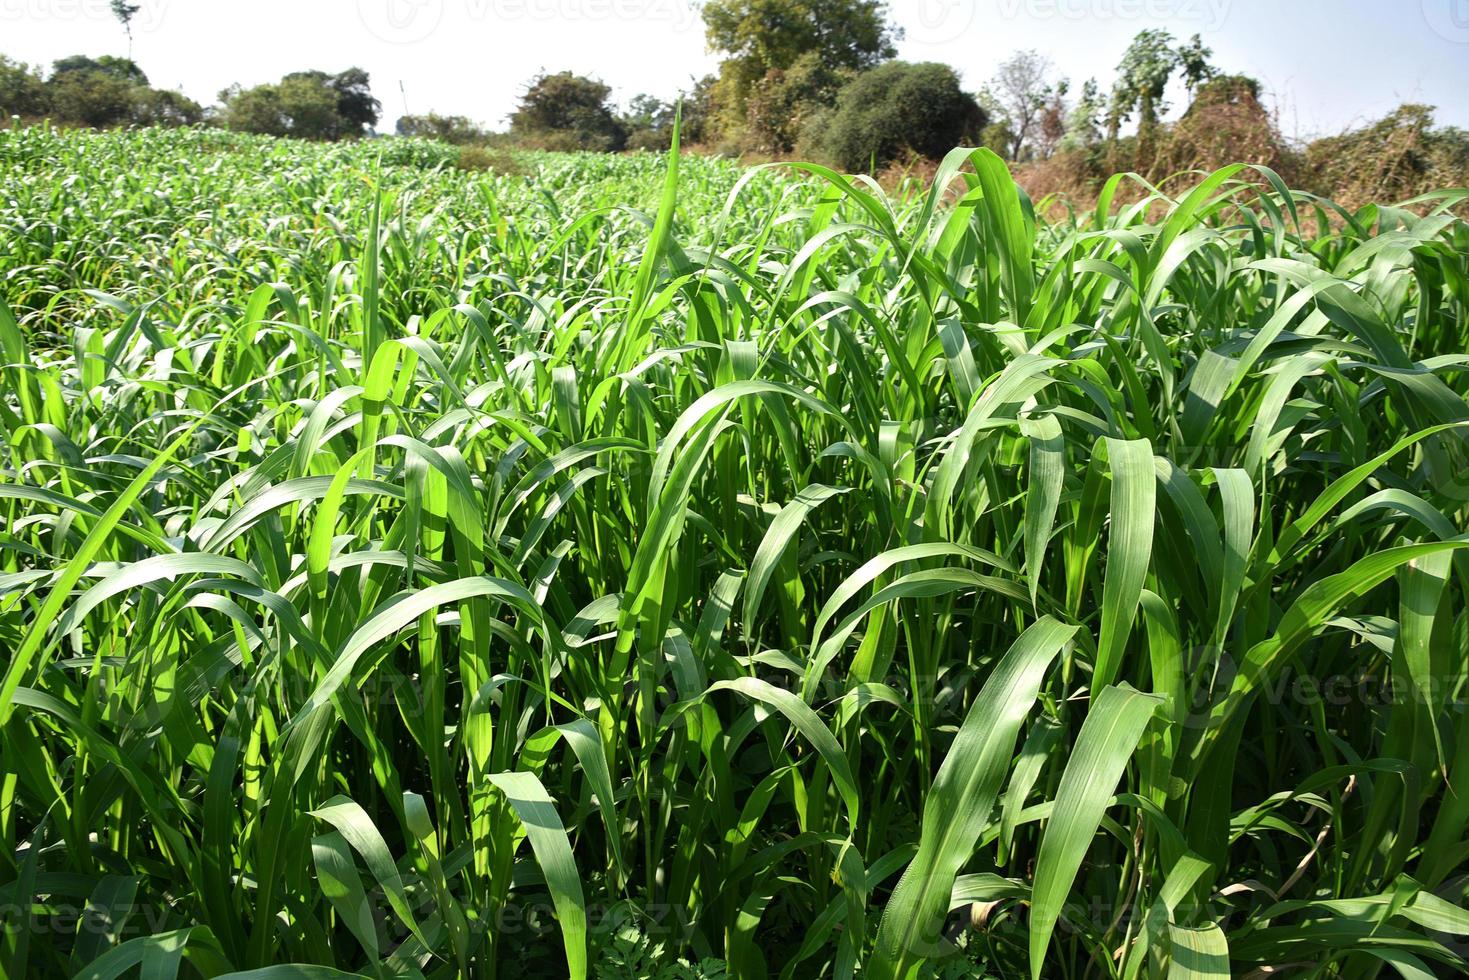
[[479, 158], [898, 108], [656, 140], [1400, 156], [455, 130], [1225, 124]]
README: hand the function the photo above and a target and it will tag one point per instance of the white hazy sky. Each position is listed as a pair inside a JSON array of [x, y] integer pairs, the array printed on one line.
[[1326, 64]]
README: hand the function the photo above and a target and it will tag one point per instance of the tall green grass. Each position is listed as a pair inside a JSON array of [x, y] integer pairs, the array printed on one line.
[[647, 567]]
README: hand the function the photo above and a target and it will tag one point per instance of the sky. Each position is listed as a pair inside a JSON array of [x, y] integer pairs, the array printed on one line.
[[1326, 65]]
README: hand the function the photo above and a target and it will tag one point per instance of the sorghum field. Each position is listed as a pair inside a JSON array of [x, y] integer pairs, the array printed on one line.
[[637, 566]]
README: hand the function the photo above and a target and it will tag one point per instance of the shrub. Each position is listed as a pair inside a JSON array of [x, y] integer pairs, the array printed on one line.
[[1225, 124], [896, 108], [478, 158], [456, 130], [649, 139], [1397, 157]]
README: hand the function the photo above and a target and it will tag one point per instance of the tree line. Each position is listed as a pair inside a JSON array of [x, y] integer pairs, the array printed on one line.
[[113, 91], [819, 79], [105, 91], [812, 77]]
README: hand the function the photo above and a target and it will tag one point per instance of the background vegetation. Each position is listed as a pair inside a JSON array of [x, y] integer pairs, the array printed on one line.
[[816, 80]]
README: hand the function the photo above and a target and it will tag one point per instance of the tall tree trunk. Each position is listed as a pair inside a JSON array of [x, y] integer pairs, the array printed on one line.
[[1147, 133]]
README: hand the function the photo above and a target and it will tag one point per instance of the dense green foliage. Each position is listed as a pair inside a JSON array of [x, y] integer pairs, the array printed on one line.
[[787, 101], [758, 37], [105, 91], [22, 89], [567, 111], [310, 104], [642, 573], [897, 109]]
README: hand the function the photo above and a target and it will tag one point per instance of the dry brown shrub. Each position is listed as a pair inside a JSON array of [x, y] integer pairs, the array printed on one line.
[[1225, 124], [1396, 158]]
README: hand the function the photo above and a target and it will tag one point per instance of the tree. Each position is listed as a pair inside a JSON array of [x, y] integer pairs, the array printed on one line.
[[22, 91], [122, 69], [648, 112], [353, 109], [306, 104], [568, 111], [699, 109], [996, 133], [356, 107], [92, 98], [124, 12], [1142, 77], [758, 36], [1022, 89], [254, 110], [1052, 124], [648, 122], [110, 91], [164, 107], [1083, 121], [94, 91], [1193, 60], [896, 108], [783, 102], [309, 104]]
